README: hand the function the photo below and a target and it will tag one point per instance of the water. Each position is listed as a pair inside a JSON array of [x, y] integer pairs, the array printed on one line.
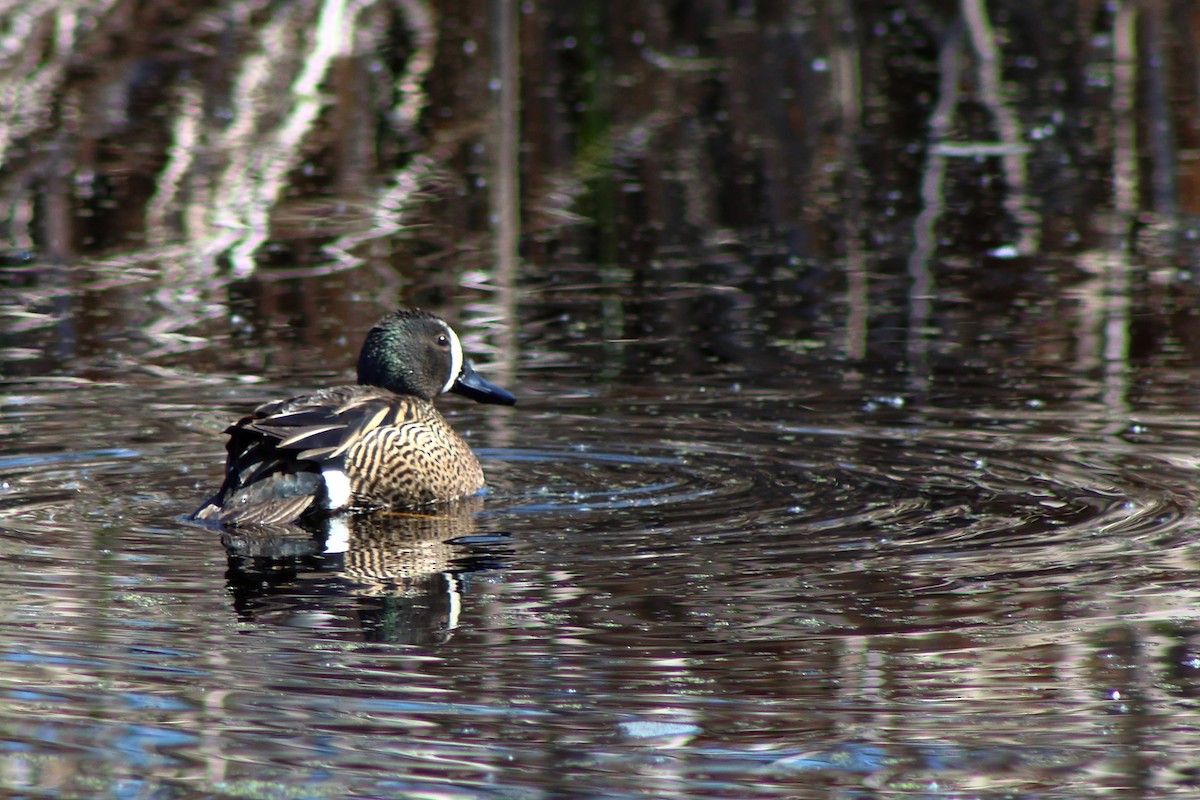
[[856, 353], [685, 587]]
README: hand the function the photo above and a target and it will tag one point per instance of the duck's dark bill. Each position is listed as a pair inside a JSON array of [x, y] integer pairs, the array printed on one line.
[[473, 385]]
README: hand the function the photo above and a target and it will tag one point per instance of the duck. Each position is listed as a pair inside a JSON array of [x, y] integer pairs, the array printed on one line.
[[377, 444]]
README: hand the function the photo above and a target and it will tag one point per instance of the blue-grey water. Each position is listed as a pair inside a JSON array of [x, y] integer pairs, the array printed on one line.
[[674, 588], [856, 347]]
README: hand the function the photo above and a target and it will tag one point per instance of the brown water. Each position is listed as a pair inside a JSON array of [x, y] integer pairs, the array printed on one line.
[[856, 351], [676, 588]]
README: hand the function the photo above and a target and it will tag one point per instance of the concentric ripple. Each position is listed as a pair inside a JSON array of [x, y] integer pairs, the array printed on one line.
[[861, 488]]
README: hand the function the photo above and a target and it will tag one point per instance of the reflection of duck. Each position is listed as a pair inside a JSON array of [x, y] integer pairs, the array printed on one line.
[[378, 444], [388, 555], [384, 577]]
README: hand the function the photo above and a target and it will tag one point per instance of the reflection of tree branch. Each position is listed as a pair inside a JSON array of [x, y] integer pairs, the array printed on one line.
[[1013, 154], [847, 92], [228, 158], [30, 84], [186, 135], [410, 88], [250, 187], [505, 195], [38, 44], [1125, 175], [1163, 150], [1115, 291], [933, 201]]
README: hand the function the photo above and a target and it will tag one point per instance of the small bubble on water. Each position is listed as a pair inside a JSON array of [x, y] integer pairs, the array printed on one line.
[[1035, 403], [795, 509]]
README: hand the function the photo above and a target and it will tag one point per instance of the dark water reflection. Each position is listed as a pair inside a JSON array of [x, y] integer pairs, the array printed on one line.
[[856, 349]]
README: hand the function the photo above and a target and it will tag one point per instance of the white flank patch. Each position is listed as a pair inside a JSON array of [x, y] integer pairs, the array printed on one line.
[[337, 538], [456, 359], [337, 488]]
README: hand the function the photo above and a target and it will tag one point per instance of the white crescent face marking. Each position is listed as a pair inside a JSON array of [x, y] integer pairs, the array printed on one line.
[[456, 358]]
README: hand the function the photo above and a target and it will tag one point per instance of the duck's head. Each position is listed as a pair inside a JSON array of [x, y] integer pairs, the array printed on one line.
[[416, 353]]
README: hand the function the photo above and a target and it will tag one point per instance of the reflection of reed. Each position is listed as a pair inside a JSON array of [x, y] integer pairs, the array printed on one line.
[[1013, 152], [933, 205], [1111, 309], [656, 147], [253, 180], [225, 173]]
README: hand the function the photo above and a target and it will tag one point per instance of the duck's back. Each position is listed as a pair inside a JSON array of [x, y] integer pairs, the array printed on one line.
[[344, 447]]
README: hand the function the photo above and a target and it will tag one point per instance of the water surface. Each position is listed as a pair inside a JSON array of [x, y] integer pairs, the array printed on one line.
[[690, 587], [856, 353]]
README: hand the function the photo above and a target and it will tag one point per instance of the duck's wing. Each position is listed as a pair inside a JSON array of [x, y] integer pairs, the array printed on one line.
[[278, 455]]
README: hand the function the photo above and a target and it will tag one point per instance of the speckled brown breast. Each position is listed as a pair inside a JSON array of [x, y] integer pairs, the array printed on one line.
[[415, 461]]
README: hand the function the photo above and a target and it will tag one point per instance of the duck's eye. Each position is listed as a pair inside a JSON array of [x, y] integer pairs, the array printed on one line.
[[443, 340]]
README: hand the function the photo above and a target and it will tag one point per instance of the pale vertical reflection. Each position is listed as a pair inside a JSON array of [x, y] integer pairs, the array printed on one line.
[[498, 313], [505, 199], [1161, 142], [27, 83], [20, 216], [863, 684], [1104, 300], [932, 202], [251, 186], [1013, 152], [38, 42], [387, 213], [181, 155], [1125, 179], [505, 216], [220, 213], [1116, 338], [847, 93], [410, 91]]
